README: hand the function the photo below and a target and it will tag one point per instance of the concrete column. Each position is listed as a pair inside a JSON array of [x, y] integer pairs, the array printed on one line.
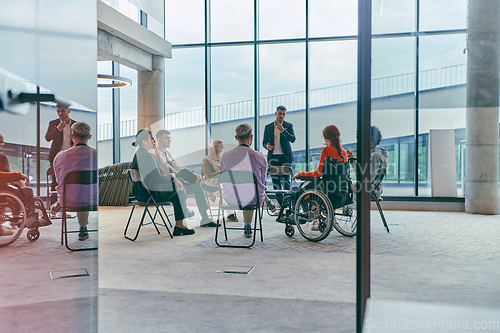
[[151, 94], [482, 119]]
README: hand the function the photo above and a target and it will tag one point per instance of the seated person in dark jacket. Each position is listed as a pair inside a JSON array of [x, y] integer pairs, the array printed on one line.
[[161, 185]]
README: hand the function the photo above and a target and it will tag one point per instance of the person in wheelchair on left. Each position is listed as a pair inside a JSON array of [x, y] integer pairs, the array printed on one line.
[[27, 192]]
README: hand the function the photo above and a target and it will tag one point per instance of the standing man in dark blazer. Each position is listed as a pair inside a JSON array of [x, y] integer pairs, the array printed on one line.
[[277, 138], [59, 132]]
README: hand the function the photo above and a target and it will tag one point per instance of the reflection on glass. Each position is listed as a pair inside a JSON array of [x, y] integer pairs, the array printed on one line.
[[389, 16], [280, 19], [185, 21], [231, 20], [443, 14], [333, 18]]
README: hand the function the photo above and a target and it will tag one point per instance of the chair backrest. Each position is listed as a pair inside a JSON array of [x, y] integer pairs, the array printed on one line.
[[336, 182], [377, 182], [139, 191], [335, 176], [83, 177], [237, 177], [134, 175], [86, 177], [281, 170], [50, 171]]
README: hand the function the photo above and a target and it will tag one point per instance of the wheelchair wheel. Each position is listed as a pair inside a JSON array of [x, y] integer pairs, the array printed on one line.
[[345, 220], [12, 218], [313, 215], [33, 234], [289, 231]]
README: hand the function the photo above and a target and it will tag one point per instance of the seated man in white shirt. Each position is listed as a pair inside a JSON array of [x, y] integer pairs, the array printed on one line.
[[244, 158], [192, 182], [80, 157]]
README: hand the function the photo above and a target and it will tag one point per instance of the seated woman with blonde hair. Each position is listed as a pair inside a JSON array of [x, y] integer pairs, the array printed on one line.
[[333, 149], [210, 169]]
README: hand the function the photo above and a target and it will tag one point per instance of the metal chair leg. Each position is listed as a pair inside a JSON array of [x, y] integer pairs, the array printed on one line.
[[64, 232], [140, 225], [377, 201]]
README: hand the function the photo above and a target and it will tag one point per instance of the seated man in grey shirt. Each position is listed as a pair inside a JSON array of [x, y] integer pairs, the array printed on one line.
[[244, 158]]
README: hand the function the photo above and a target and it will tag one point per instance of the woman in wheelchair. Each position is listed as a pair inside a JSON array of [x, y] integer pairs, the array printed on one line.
[[333, 148], [313, 205]]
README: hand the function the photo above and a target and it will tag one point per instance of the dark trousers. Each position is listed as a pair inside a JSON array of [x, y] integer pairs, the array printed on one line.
[[178, 200], [280, 182], [192, 187]]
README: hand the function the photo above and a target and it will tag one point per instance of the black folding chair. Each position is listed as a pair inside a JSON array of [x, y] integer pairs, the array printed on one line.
[[135, 177], [375, 188], [239, 178], [81, 178]]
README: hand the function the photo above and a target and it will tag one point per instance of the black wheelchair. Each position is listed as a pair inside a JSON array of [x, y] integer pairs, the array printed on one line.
[[319, 204], [19, 209]]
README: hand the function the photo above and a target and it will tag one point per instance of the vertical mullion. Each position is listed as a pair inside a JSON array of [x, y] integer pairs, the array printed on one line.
[[115, 70], [363, 165], [38, 171], [417, 95], [256, 76], [208, 75], [307, 132]]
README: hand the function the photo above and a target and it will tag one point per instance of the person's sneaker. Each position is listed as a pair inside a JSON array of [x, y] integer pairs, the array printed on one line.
[[54, 209], [83, 234], [271, 206], [315, 227], [182, 231], [232, 218], [248, 231], [207, 222], [6, 229]]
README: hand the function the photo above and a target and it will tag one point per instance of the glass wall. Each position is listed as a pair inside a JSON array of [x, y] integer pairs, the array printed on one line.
[[185, 90], [417, 79], [443, 74], [333, 93], [227, 14], [232, 91], [393, 111]]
